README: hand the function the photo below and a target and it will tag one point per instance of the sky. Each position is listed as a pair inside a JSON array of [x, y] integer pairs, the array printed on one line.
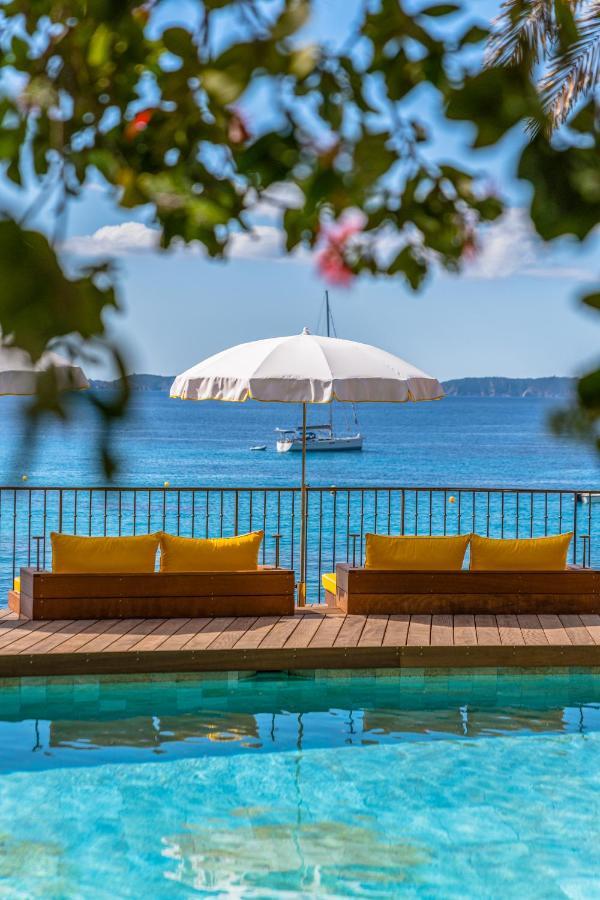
[[512, 312]]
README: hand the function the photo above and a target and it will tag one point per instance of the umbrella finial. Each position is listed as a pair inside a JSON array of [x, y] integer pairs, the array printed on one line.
[[305, 330]]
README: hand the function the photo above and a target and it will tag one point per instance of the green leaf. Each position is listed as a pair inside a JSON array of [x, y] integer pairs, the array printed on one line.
[[99, 47], [441, 9], [42, 302], [294, 16], [225, 86], [474, 35], [372, 156], [408, 264], [495, 100], [588, 390], [592, 300], [179, 42]]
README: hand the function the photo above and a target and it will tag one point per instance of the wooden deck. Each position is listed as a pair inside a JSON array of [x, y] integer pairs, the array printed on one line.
[[312, 639]]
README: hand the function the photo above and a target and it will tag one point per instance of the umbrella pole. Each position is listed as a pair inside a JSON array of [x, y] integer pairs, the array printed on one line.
[[303, 517]]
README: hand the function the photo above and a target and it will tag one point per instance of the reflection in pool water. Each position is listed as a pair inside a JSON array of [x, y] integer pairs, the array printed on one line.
[[425, 785]]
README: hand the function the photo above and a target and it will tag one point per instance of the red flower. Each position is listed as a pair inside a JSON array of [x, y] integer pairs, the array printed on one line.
[[138, 124], [331, 260]]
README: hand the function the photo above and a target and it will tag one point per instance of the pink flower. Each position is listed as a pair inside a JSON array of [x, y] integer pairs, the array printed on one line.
[[331, 259], [238, 131]]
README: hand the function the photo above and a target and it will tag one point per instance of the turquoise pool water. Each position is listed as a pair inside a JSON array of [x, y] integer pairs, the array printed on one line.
[[425, 785]]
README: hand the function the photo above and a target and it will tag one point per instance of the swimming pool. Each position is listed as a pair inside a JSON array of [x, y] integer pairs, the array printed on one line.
[[463, 784]]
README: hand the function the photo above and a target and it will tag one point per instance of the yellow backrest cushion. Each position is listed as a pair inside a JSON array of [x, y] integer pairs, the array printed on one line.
[[547, 554], [329, 582], [72, 554], [418, 553], [234, 554]]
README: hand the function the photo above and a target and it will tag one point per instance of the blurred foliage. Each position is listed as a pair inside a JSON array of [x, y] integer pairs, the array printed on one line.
[[169, 118], [560, 40]]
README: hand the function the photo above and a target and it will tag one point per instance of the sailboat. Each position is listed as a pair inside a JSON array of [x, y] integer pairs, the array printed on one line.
[[321, 436]]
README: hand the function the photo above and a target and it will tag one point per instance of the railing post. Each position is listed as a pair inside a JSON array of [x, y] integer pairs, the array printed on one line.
[[586, 560], [277, 538], [37, 538], [354, 536]]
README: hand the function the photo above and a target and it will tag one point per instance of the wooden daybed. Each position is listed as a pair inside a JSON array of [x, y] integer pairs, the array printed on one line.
[[371, 591], [261, 592]]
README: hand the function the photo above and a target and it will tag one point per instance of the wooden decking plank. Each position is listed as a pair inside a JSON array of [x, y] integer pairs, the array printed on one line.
[[279, 633], [74, 627], [92, 630], [252, 638], [327, 631], [531, 629], [350, 632], [442, 631], [116, 628], [157, 636], [231, 635], [396, 631], [576, 630], [592, 624], [304, 633], [487, 631], [312, 639], [32, 637], [202, 639], [553, 629], [464, 631], [419, 631], [188, 629], [14, 628], [510, 630], [373, 632]]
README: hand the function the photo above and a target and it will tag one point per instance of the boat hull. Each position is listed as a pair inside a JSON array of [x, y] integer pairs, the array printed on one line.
[[354, 442]]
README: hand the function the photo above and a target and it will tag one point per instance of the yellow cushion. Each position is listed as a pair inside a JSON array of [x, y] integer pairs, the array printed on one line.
[[72, 554], [329, 582], [421, 553], [178, 554], [17, 584], [547, 554]]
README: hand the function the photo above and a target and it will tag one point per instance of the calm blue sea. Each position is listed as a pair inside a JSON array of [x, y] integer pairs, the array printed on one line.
[[455, 442]]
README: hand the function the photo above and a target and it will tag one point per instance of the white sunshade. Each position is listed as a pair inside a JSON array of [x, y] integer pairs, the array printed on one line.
[[18, 374], [306, 368]]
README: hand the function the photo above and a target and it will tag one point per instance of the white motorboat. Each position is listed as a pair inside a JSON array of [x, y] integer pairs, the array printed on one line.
[[318, 437], [322, 436]]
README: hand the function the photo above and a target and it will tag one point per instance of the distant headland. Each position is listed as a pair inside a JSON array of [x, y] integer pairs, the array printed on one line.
[[554, 387]]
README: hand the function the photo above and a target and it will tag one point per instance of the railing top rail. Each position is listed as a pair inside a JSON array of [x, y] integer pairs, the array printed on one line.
[[481, 489]]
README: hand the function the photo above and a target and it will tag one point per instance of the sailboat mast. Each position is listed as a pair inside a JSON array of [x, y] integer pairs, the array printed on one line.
[[327, 316]]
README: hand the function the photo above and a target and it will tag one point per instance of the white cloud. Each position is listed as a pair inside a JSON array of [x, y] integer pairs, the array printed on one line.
[[114, 240], [510, 246], [262, 242]]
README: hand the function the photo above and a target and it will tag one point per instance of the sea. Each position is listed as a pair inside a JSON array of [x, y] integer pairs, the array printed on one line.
[[468, 442], [462, 445]]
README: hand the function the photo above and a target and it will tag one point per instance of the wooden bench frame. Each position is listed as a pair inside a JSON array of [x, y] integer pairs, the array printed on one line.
[[371, 591], [263, 592]]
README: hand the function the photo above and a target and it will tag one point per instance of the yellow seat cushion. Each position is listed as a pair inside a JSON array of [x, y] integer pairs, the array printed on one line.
[[73, 554], [329, 582], [415, 553], [17, 584], [546, 554], [234, 554]]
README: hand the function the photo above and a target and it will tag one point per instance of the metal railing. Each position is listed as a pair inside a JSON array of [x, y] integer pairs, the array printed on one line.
[[338, 518]]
